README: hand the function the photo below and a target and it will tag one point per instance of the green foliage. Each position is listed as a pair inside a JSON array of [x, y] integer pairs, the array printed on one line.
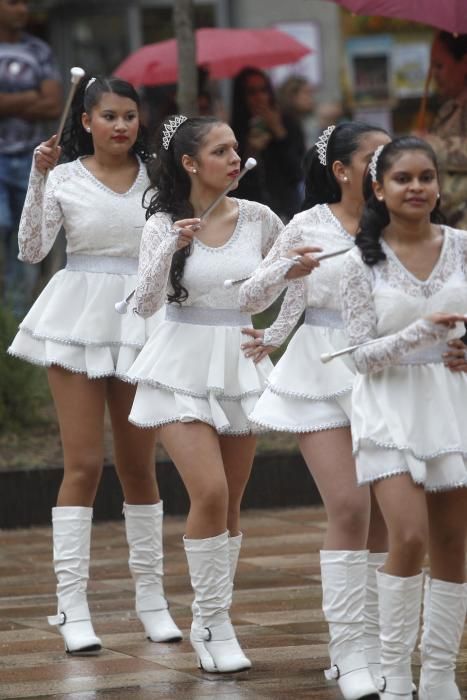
[[23, 387]]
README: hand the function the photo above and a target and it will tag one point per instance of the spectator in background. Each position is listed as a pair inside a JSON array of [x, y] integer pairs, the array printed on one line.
[[30, 93], [448, 133], [272, 138], [295, 98]]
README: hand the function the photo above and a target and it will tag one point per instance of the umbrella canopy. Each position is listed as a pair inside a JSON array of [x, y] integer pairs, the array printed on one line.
[[223, 52], [450, 15]]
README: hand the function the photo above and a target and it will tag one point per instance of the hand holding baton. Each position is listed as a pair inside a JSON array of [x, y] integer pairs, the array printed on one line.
[[121, 307], [296, 258]]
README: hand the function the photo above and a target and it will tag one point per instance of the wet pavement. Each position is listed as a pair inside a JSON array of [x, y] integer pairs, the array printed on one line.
[[276, 613]]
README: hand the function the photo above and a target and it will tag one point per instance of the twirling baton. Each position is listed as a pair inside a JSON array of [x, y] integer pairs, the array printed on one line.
[[296, 258], [76, 74], [121, 307], [328, 356]]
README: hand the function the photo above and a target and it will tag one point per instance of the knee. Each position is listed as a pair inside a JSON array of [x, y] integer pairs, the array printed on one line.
[[83, 474], [409, 542], [351, 517], [213, 500]]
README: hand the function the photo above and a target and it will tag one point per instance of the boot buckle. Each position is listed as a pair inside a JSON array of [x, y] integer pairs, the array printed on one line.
[[381, 684], [333, 673]]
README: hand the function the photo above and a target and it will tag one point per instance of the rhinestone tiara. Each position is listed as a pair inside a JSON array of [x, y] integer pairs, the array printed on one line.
[[170, 128], [374, 162], [322, 144]]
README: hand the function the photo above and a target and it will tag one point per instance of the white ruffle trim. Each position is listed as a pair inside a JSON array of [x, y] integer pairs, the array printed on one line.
[[280, 391]]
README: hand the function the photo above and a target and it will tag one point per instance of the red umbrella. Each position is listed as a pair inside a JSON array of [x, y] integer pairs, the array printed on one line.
[[450, 15], [223, 52]]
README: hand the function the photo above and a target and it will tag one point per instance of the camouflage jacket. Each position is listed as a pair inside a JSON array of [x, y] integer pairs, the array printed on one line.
[[448, 136]]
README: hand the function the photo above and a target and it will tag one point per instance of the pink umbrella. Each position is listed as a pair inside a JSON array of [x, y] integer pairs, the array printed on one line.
[[450, 15], [223, 52]]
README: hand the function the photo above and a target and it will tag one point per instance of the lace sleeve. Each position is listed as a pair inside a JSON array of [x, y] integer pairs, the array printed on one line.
[[158, 244], [42, 216], [291, 309], [361, 323], [268, 280]]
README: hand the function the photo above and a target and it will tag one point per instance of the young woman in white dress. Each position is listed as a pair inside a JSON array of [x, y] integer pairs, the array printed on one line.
[[194, 382], [406, 283], [74, 331], [313, 400]]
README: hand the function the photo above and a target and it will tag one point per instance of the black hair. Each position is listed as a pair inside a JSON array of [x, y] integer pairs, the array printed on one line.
[[321, 186], [170, 185], [76, 141], [375, 216], [456, 44], [241, 114]]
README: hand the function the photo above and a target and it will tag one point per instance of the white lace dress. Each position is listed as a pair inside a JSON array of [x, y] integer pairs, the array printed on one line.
[[303, 395], [73, 323], [192, 367], [408, 409]]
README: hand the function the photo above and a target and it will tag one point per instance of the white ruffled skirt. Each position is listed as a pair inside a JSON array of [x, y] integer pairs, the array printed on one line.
[[73, 324], [411, 419], [304, 395], [190, 372]]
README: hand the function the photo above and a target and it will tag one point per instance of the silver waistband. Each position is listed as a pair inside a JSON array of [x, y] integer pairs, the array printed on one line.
[[330, 318], [425, 356], [102, 263], [202, 316]]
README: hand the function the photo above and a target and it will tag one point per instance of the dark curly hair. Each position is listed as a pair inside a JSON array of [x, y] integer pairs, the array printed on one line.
[[76, 141], [375, 216], [170, 186], [321, 186]]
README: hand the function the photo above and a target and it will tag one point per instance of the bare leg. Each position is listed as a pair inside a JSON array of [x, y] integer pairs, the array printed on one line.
[[403, 505], [328, 455], [448, 530], [237, 455], [80, 404], [378, 532], [134, 448], [194, 449]]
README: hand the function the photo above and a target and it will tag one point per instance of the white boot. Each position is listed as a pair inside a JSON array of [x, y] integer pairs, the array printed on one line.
[[212, 635], [399, 618], [343, 575], [71, 527], [235, 545], [143, 526], [443, 623], [371, 615]]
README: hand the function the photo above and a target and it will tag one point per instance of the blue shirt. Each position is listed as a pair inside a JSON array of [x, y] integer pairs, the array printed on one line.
[[23, 66]]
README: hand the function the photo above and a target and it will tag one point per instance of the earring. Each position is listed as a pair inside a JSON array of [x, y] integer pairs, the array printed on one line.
[[88, 129], [194, 171], [380, 198], [438, 196], [345, 178]]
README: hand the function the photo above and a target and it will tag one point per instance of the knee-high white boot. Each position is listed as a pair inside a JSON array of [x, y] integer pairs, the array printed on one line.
[[444, 613], [235, 544], [143, 526], [343, 575], [212, 635], [371, 615], [399, 617], [71, 527]]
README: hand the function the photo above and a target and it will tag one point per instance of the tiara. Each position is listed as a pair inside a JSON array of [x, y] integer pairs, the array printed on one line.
[[374, 162], [89, 83], [322, 143], [170, 128]]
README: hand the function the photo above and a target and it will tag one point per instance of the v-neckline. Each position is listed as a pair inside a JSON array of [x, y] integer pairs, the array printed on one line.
[[103, 186], [387, 249]]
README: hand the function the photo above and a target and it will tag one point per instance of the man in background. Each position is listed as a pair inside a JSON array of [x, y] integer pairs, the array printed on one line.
[[30, 94]]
